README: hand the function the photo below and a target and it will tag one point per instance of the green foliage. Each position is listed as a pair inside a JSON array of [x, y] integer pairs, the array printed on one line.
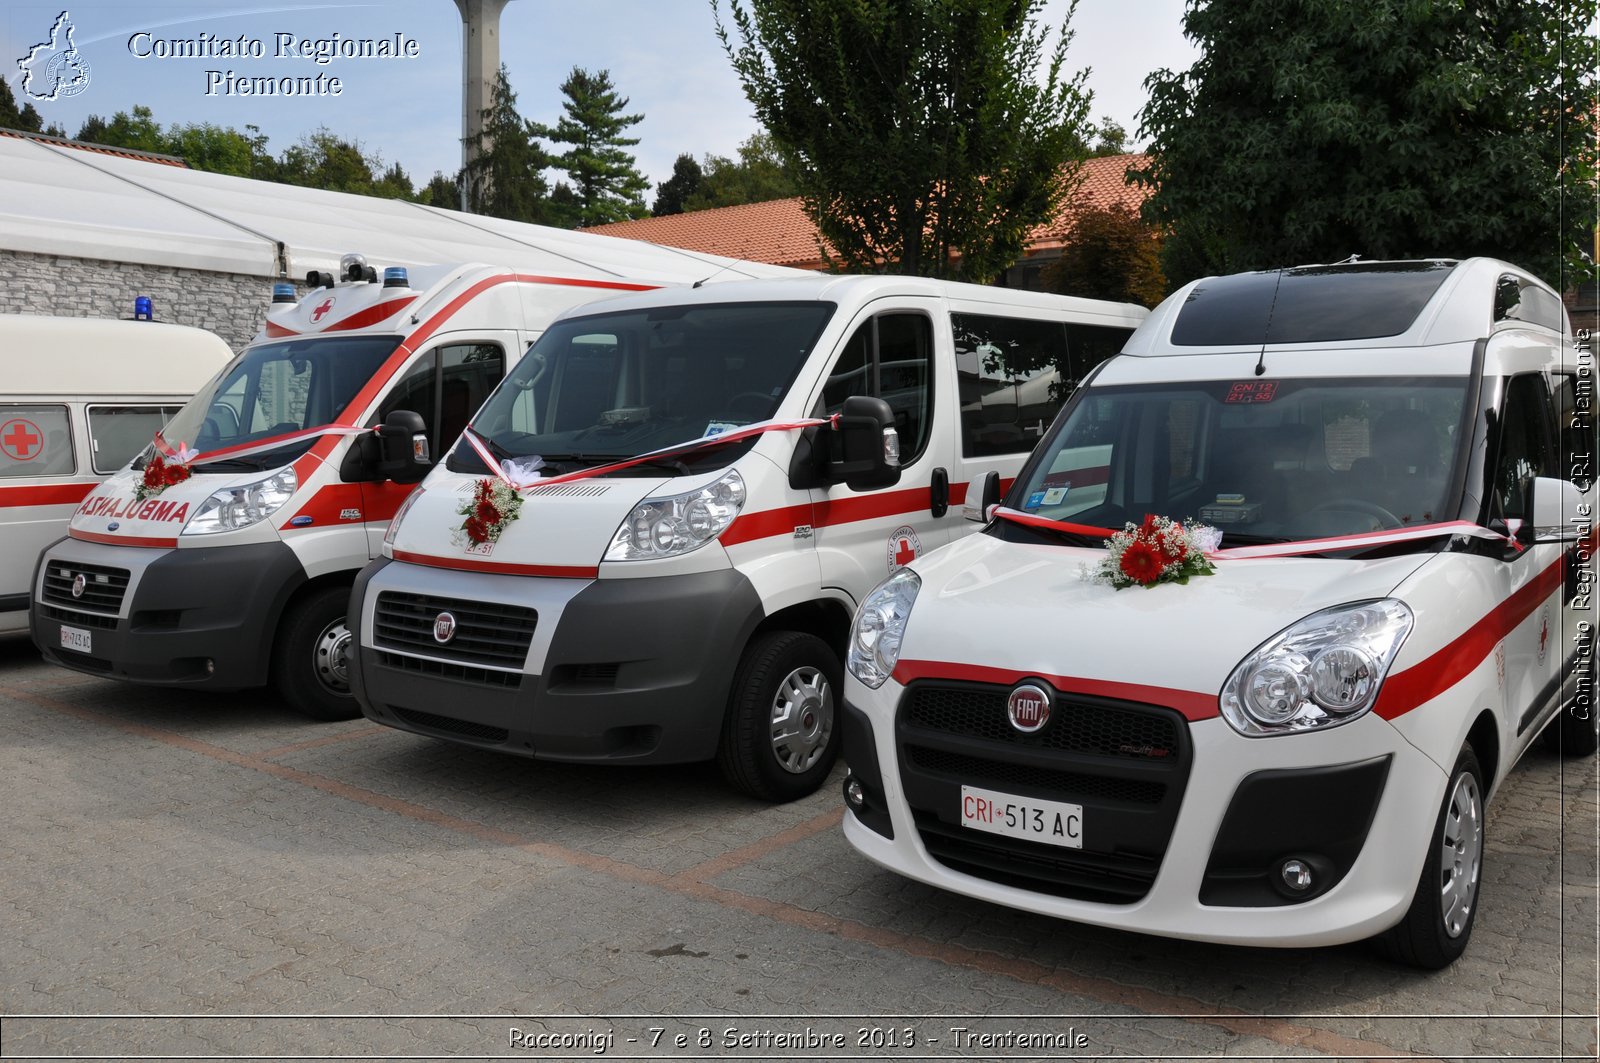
[[26, 118], [608, 186], [758, 175], [675, 190], [1313, 129], [212, 148], [1109, 254], [505, 177], [1110, 138], [441, 191], [138, 131], [917, 130]]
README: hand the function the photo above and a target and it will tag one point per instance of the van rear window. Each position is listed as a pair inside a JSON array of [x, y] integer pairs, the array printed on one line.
[[1309, 304]]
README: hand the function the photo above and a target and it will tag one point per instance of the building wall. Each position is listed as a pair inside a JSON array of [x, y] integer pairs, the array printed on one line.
[[232, 305]]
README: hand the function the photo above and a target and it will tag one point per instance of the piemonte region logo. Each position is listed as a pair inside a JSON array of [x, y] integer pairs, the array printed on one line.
[[54, 69]]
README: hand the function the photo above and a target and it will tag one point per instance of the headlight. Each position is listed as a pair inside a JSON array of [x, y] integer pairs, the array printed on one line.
[[1319, 672], [399, 515], [666, 527], [233, 508], [879, 626]]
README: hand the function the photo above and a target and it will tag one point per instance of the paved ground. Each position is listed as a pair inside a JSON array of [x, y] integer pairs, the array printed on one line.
[[212, 876]]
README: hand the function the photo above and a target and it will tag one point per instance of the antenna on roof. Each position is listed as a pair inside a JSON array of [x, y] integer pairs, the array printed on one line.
[[1261, 362], [1352, 260], [725, 267]]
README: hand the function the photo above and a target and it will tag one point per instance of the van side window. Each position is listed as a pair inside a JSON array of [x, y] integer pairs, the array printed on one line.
[[889, 357], [36, 441], [1523, 449], [1013, 375], [1575, 423], [117, 433], [1519, 299], [446, 386]]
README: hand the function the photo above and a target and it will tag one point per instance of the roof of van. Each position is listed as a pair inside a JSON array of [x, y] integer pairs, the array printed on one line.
[[97, 357], [861, 289], [1349, 304]]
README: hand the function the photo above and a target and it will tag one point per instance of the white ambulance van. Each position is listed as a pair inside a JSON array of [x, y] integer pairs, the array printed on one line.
[[1286, 733], [647, 547], [78, 398], [221, 557]]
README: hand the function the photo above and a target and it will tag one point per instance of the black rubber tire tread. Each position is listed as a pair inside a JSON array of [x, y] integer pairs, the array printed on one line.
[[292, 675], [1419, 940], [744, 753]]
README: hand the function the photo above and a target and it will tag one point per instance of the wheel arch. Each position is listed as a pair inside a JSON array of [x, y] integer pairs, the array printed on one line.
[[826, 618], [295, 594], [1484, 738]]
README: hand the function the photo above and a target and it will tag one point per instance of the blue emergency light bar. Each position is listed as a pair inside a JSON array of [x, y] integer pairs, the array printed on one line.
[[283, 292], [396, 277], [144, 309]]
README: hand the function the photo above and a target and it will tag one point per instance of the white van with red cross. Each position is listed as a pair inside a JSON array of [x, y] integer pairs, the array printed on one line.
[[222, 557], [78, 398], [647, 546], [1255, 677]]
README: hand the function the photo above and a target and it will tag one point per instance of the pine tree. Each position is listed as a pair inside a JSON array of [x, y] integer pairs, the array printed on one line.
[[672, 193], [505, 177], [608, 185]]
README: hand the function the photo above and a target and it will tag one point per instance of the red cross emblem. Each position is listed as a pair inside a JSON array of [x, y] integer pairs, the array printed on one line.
[[905, 554], [316, 315], [904, 546], [21, 439]]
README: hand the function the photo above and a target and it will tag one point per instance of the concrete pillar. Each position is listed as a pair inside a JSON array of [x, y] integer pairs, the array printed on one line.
[[480, 62]]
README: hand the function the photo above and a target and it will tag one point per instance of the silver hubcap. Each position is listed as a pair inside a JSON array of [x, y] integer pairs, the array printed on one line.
[[330, 658], [1460, 854], [802, 719]]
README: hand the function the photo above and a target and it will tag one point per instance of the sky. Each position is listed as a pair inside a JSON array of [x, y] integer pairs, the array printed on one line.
[[662, 54]]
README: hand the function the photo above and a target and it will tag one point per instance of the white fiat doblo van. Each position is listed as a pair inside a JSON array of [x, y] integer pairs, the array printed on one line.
[[647, 546], [1287, 737]]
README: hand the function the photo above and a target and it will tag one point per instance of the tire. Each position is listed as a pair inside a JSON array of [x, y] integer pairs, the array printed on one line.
[[1436, 927], [781, 735], [310, 656]]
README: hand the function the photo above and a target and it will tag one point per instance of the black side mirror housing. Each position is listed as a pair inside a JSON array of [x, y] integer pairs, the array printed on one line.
[[863, 449], [403, 447]]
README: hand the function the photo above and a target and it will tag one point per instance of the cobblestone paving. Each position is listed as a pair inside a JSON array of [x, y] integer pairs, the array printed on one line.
[[211, 876]]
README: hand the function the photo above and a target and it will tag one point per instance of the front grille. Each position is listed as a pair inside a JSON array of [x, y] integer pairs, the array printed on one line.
[[72, 616], [103, 586], [427, 721], [445, 670], [485, 632], [1126, 763]]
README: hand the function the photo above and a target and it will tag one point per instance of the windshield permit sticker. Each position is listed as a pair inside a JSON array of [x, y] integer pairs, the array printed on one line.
[[1054, 495], [716, 428], [1034, 501], [1247, 391]]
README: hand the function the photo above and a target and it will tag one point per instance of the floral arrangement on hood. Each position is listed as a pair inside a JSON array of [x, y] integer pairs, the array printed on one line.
[[1158, 550], [491, 506], [160, 474]]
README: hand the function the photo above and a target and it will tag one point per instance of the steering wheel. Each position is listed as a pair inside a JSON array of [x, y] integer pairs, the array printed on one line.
[[1359, 505], [758, 401]]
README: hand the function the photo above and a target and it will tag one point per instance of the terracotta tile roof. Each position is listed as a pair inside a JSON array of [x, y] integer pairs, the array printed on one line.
[[778, 231], [96, 149]]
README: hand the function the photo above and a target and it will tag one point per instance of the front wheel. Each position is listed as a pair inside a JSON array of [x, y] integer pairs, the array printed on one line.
[[1436, 927], [781, 734], [311, 656]]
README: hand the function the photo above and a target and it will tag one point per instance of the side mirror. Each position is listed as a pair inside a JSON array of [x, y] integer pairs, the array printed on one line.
[[1561, 513], [988, 496], [403, 447], [863, 450]]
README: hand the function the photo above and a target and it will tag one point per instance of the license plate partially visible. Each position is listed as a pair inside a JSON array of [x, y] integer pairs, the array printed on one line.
[[1029, 818], [75, 638]]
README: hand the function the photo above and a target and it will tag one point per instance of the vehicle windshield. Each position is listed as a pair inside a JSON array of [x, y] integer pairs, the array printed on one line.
[[273, 389], [1261, 460], [611, 386]]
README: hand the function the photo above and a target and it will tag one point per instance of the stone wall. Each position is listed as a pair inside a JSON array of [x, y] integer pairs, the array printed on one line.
[[232, 305]]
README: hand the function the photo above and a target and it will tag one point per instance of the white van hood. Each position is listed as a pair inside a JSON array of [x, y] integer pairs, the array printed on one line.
[[562, 526], [113, 512], [1026, 610]]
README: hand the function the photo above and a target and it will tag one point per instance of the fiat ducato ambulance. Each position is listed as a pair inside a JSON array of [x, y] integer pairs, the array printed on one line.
[[79, 397], [647, 546], [222, 557], [1256, 677]]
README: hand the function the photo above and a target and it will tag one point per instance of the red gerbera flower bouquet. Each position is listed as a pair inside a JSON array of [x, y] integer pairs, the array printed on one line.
[[160, 474], [1159, 550], [488, 509]]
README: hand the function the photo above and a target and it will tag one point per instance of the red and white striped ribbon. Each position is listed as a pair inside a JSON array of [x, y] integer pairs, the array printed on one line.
[[185, 456]]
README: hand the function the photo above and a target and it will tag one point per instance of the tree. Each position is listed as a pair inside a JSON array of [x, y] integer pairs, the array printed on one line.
[[26, 118], [1110, 138], [325, 160], [505, 176], [1312, 129], [441, 191], [675, 190], [759, 174], [205, 146], [1109, 253], [138, 131], [608, 185], [918, 130]]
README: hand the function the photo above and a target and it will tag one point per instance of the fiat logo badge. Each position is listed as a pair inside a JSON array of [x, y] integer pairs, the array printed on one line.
[[444, 628], [80, 583], [1028, 708]]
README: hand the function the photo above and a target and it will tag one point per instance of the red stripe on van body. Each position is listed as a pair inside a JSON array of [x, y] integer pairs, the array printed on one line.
[[1191, 704], [123, 540], [1428, 678], [371, 315], [472, 564], [45, 495]]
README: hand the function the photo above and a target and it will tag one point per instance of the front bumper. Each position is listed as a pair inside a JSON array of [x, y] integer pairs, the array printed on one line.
[[182, 617], [1203, 875], [634, 670]]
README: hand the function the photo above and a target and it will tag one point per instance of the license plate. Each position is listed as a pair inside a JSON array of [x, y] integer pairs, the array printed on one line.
[[75, 638], [1029, 818]]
